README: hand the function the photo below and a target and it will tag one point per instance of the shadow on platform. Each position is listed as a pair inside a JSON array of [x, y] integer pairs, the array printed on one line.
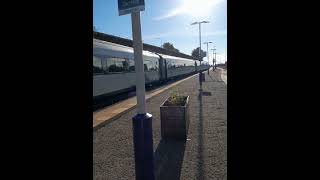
[[200, 167], [168, 159], [169, 155]]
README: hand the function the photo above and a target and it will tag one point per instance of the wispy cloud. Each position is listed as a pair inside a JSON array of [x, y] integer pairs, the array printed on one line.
[[192, 7], [159, 35], [215, 33], [184, 34], [170, 14]]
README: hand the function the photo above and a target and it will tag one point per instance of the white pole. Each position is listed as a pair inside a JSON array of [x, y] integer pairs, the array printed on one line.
[[215, 58], [200, 74], [200, 42], [137, 46], [225, 58], [207, 53]]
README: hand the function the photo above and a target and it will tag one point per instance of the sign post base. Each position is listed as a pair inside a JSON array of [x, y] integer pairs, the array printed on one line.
[[143, 146]]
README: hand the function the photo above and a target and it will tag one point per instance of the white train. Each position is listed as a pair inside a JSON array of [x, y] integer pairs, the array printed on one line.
[[114, 72]]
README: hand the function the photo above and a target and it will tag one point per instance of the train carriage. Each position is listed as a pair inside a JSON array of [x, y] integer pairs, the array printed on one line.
[[114, 68]]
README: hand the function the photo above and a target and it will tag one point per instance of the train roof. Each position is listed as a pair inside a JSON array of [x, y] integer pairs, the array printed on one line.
[[146, 47], [101, 47], [176, 58]]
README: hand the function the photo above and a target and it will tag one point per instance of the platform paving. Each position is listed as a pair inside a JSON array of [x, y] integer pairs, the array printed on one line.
[[202, 156]]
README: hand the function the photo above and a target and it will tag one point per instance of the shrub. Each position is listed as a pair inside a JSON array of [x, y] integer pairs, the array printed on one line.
[[175, 99]]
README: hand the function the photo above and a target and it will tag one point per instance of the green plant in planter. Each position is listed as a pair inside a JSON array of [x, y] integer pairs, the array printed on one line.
[[174, 114], [175, 98]]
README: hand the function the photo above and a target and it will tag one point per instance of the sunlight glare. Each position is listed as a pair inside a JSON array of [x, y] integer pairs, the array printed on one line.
[[199, 8]]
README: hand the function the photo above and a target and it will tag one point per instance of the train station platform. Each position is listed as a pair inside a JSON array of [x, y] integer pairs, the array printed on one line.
[[202, 156]]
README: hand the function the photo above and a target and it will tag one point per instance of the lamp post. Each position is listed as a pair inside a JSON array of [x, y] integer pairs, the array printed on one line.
[[218, 60], [213, 57], [207, 52], [225, 58], [207, 49], [200, 59], [161, 42]]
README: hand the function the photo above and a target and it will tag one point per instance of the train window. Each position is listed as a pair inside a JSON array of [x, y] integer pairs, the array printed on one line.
[[125, 65], [104, 65], [97, 66], [131, 65], [155, 65], [177, 64], [173, 64], [168, 64], [152, 67], [149, 65], [117, 65], [180, 64]]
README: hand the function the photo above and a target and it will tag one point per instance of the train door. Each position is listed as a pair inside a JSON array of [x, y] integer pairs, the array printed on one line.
[[161, 69], [165, 69], [195, 66]]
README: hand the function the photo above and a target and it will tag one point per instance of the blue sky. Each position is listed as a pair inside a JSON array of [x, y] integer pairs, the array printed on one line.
[[169, 21]]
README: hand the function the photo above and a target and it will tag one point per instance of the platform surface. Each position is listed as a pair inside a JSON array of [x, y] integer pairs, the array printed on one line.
[[202, 156]]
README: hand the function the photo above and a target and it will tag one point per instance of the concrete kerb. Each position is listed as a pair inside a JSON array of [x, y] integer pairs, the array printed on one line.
[[109, 120]]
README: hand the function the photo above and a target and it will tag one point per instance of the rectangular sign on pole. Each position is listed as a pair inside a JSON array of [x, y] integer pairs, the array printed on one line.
[[129, 6], [142, 122]]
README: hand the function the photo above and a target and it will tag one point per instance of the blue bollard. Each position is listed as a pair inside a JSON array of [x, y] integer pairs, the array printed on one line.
[[143, 146]]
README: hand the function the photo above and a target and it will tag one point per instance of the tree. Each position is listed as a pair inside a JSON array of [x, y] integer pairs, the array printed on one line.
[[195, 53], [170, 47]]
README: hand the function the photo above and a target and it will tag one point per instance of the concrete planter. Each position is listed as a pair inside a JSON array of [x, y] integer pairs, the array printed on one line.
[[174, 120]]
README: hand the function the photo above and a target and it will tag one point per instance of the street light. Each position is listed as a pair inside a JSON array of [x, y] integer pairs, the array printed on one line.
[[207, 52], [213, 57], [160, 41], [207, 49], [200, 59], [218, 60]]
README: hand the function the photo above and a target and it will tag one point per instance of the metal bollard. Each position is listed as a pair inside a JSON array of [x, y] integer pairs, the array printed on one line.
[[143, 146]]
